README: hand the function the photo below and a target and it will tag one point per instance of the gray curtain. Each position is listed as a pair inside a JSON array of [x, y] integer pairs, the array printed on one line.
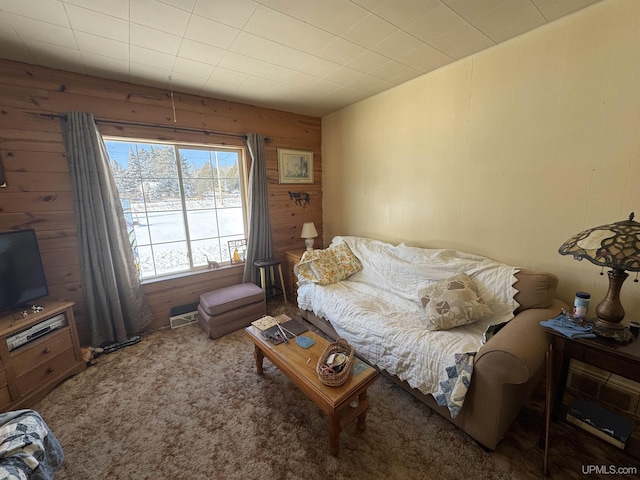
[[115, 306], [260, 242]]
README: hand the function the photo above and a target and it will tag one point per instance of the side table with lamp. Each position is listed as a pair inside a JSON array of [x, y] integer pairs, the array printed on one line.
[[615, 348]]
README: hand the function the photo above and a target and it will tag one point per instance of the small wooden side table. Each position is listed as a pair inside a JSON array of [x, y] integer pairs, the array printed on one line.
[[604, 353], [291, 258]]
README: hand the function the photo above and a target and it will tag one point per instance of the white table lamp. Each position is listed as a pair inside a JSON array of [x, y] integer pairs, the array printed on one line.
[[308, 232]]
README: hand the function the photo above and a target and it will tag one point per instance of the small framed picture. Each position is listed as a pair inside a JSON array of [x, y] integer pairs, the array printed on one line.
[[295, 166], [237, 250]]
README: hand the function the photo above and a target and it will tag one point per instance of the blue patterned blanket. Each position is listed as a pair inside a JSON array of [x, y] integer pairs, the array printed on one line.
[[28, 449], [454, 386]]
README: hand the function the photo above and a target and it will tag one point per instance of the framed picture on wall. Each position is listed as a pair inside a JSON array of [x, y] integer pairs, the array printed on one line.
[[295, 166]]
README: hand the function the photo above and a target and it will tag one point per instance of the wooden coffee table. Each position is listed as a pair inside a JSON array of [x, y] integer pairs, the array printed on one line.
[[299, 364]]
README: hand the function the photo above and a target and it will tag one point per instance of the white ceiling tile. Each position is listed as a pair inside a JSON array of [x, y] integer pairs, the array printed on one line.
[[299, 79], [513, 30], [341, 51], [394, 72], [367, 61], [334, 16], [230, 77], [370, 31], [397, 43], [554, 9], [210, 32], [234, 13], [152, 39], [343, 75], [221, 89], [438, 22], [462, 42], [14, 49], [88, 21], [200, 52], [318, 67], [402, 13], [192, 68], [49, 11], [424, 58], [252, 66], [186, 5], [262, 49], [498, 16], [308, 38], [28, 28], [187, 83], [271, 24], [297, 9], [159, 16], [102, 46], [367, 83], [6, 25], [152, 58], [323, 87], [263, 85], [113, 8], [106, 67], [259, 97], [55, 56], [149, 75]]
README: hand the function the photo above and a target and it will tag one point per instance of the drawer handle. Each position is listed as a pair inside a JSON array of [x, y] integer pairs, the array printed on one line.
[[50, 369], [46, 350]]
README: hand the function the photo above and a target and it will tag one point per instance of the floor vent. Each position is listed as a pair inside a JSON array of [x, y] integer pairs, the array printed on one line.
[[183, 315]]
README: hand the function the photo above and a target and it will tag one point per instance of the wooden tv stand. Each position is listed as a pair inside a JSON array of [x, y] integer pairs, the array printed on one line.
[[28, 372]]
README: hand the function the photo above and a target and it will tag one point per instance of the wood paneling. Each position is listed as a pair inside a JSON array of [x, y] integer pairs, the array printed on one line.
[[39, 191]]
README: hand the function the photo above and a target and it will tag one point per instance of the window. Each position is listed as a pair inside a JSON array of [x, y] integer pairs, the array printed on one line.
[[182, 203]]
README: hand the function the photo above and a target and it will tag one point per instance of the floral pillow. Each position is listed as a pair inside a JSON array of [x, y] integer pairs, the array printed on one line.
[[329, 265], [347, 261], [452, 302]]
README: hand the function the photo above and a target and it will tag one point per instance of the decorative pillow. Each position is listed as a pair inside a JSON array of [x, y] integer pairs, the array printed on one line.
[[347, 261], [319, 266], [330, 265], [452, 302]]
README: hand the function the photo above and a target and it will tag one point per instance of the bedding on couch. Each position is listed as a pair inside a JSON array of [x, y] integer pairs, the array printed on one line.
[[378, 309], [28, 448]]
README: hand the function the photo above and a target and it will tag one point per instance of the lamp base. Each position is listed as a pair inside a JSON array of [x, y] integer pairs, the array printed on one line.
[[308, 242], [615, 331], [608, 325]]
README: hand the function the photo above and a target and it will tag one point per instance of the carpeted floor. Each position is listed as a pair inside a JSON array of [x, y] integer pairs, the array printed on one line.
[[180, 406]]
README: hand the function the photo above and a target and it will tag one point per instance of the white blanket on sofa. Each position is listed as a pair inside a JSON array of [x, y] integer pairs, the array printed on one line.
[[378, 312]]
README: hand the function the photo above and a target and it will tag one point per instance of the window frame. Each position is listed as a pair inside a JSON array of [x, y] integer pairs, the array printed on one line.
[[177, 145]]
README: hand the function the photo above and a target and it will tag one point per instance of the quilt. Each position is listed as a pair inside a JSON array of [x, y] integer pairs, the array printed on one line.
[[28, 449]]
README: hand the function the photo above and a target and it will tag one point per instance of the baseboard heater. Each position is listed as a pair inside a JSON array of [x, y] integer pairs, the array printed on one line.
[[183, 315]]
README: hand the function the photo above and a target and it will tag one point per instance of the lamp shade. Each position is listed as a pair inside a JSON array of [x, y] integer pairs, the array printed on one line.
[[308, 230], [616, 245]]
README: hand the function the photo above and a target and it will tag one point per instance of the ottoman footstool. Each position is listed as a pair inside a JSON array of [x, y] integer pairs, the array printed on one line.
[[231, 308]]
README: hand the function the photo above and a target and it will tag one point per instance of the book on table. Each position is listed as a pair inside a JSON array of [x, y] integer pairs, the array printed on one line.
[[600, 422]]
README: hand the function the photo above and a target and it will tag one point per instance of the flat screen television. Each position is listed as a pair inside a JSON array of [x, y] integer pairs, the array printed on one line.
[[22, 278]]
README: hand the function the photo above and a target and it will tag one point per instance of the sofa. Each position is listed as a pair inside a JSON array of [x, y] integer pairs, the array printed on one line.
[[400, 307]]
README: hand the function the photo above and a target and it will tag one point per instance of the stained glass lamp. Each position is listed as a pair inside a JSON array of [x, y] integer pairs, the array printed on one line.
[[615, 246]]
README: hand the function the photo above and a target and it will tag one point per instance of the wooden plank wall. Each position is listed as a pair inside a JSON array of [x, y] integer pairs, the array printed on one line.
[[38, 192]]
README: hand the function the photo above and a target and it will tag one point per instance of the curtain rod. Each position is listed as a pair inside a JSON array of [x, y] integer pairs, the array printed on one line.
[[154, 125]]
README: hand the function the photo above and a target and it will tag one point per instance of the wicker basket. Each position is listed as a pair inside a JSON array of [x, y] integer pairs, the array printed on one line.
[[336, 379]]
